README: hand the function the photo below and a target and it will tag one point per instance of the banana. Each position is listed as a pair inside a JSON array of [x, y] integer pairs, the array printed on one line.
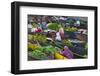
[[59, 56]]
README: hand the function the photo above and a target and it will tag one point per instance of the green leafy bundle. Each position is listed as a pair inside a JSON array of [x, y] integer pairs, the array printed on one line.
[[54, 26]]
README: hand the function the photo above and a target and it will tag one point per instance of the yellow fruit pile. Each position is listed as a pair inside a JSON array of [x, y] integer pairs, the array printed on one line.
[[59, 56]]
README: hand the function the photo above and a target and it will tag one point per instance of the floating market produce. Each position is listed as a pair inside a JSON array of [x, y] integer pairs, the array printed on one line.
[[57, 37]]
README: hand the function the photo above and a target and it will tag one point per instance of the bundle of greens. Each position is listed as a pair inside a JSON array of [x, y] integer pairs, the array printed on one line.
[[54, 26], [37, 54], [67, 43], [71, 29], [39, 38]]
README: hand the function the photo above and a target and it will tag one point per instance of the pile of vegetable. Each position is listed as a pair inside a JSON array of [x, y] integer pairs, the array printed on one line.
[[71, 29]]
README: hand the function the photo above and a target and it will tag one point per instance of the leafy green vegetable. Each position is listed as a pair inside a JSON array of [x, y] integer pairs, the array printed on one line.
[[39, 38], [49, 50], [37, 54], [68, 43], [54, 26], [71, 29]]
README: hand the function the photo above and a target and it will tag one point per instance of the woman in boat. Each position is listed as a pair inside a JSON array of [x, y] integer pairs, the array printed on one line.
[[67, 53]]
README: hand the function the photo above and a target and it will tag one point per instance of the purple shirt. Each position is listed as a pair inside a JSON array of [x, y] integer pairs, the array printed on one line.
[[68, 54]]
